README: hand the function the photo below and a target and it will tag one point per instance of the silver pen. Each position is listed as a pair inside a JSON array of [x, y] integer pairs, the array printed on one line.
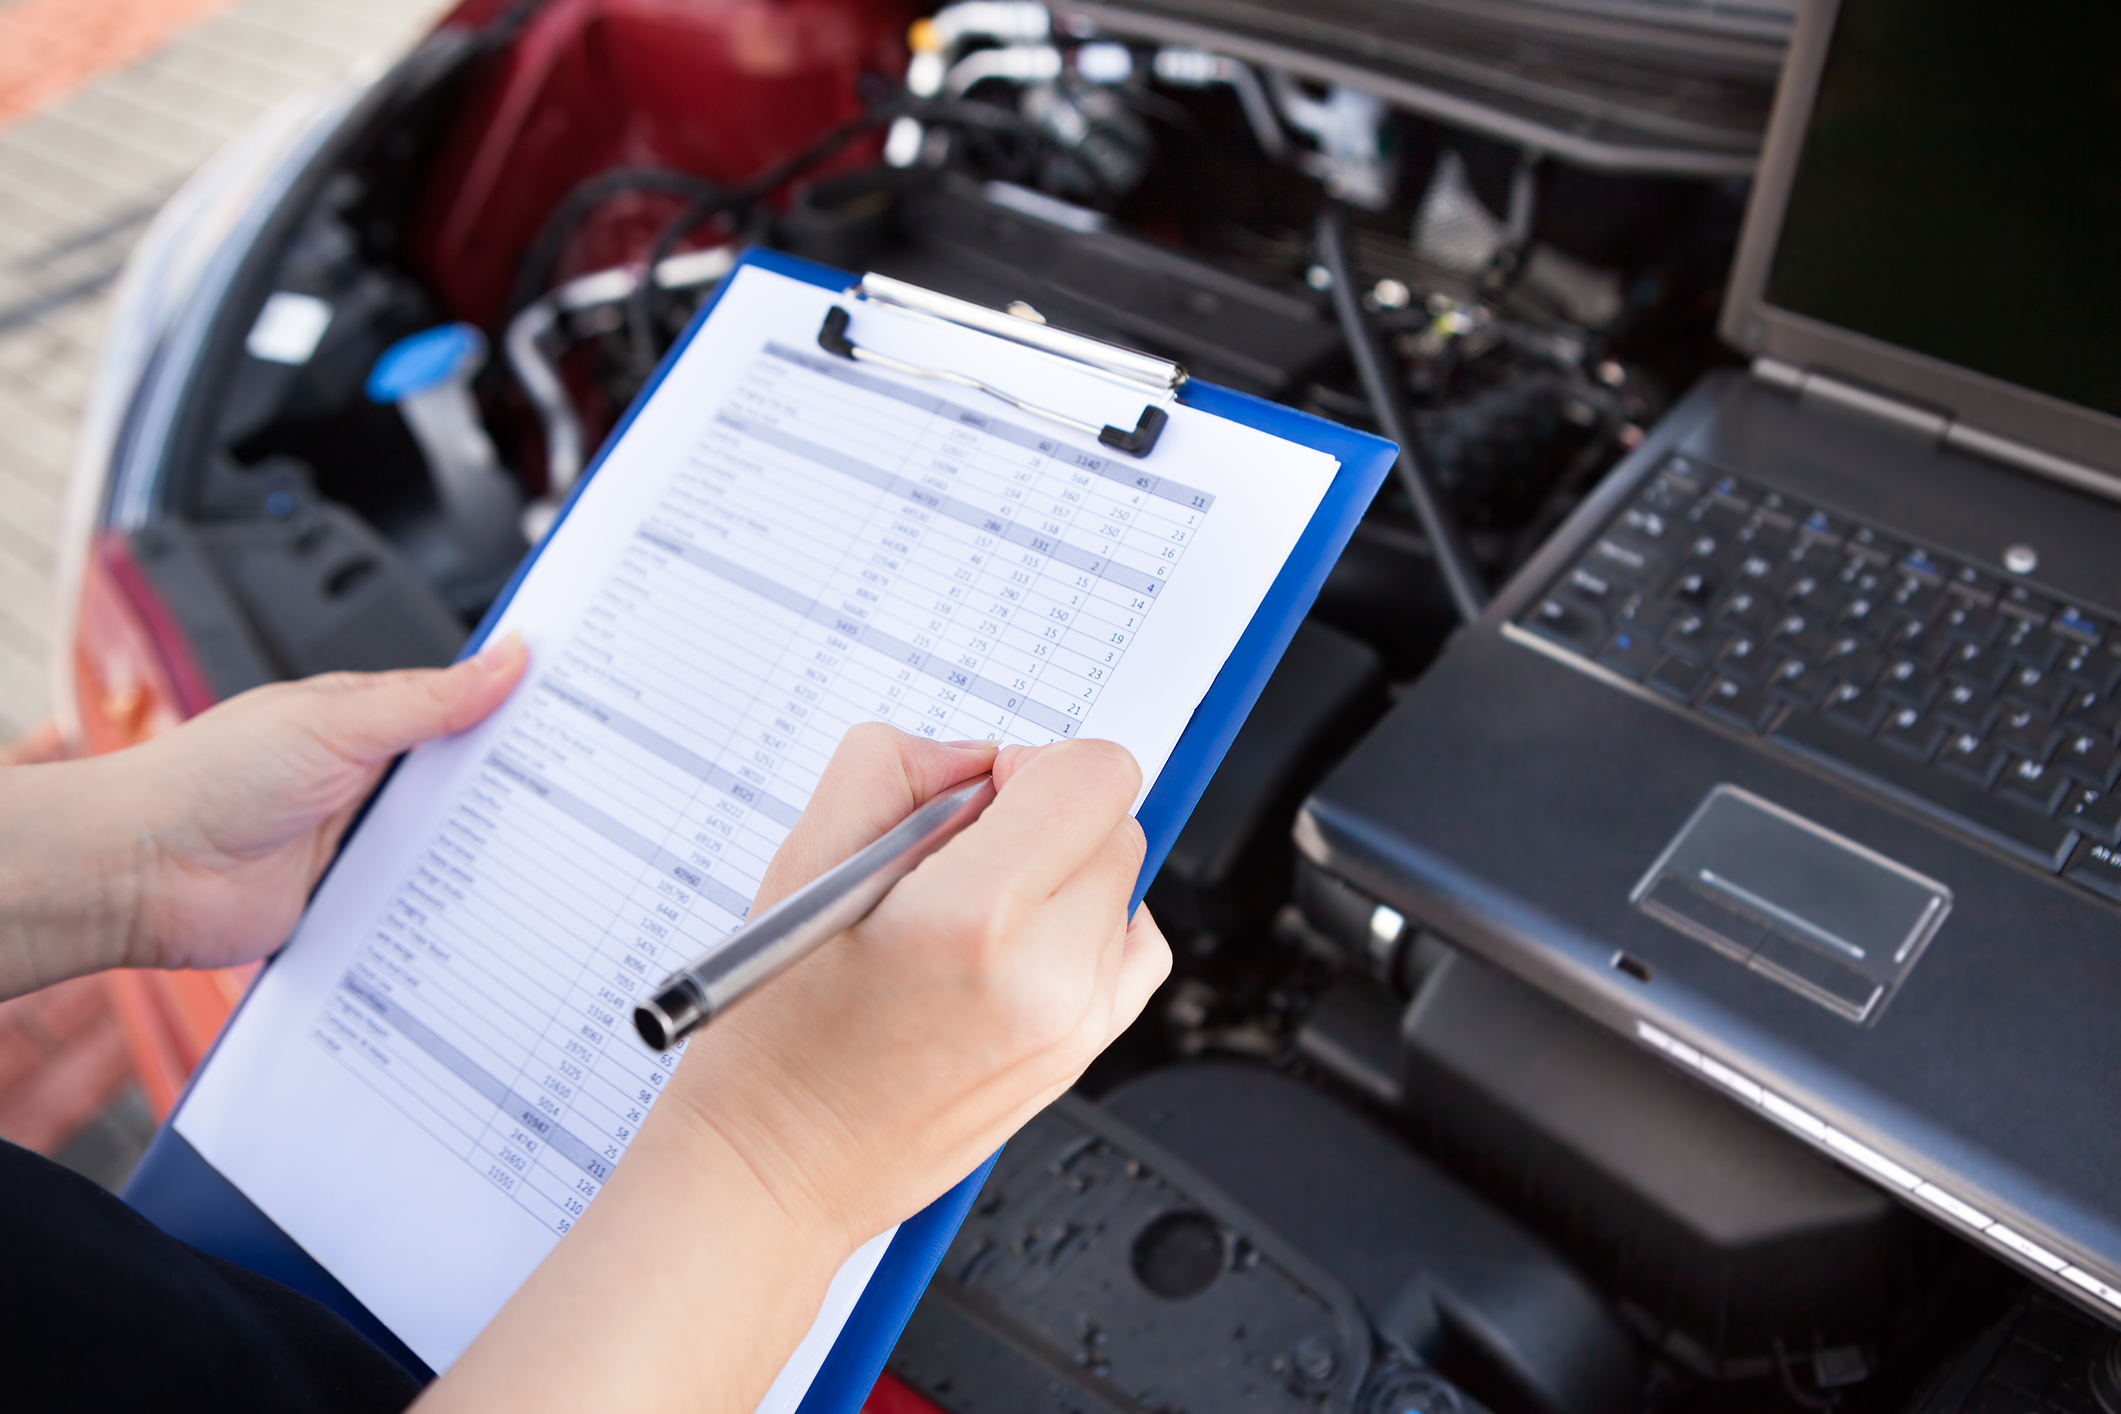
[[792, 929]]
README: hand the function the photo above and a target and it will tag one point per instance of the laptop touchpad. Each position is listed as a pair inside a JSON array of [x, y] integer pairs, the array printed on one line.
[[1837, 922]]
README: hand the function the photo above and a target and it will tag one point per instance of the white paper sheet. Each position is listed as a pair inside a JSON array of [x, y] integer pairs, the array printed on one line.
[[434, 1079]]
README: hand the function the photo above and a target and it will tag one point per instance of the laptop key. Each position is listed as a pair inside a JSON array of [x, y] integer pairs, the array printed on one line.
[[1695, 589], [1713, 557], [1855, 709], [1975, 623], [1915, 600], [1985, 668], [1820, 525], [1732, 490], [1908, 682], [1966, 754], [1920, 565], [1680, 679], [1614, 557], [2096, 667], [2088, 757], [1863, 614], [1739, 704], [1816, 557], [1645, 526], [1853, 660], [1632, 653], [2096, 812], [1568, 625], [2082, 703], [1912, 638], [1650, 616], [2008, 825], [1591, 589], [2073, 623], [1744, 657], [2034, 785], [1864, 581], [1801, 683], [2022, 603], [2027, 734], [1913, 732], [1968, 708], [1677, 484], [1716, 519], [1870, 546], [2101, 717], [1813, 596], [1692, 637], [1974, 586], [2097, 867], [1797, 634], [1746, 608], [2040, 690], [1765, 548], [1684, 471], [2035, 646]]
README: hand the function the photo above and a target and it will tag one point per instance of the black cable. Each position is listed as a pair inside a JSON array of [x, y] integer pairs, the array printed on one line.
[[926, 110], [641, 305], [541, 261], [711, 201], [1461, 577]]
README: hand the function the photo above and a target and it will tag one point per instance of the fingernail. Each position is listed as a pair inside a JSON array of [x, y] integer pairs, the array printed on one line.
[[977, 741], [496, 653]]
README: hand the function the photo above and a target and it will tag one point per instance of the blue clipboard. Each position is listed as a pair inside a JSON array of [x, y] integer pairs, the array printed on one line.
[[176, 1189]]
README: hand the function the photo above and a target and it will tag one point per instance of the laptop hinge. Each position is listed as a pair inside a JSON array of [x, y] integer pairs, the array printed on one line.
[[1934, 427], [1927, 423]]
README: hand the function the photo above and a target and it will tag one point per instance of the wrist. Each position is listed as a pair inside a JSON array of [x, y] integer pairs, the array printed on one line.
[[728, 1104], [73, 872], [684, 1239]]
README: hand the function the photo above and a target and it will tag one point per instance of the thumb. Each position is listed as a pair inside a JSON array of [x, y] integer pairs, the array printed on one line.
[[876, 777], [371, 717]]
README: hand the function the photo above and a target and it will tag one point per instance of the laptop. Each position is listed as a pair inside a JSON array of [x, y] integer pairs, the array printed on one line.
[[1796, 755]]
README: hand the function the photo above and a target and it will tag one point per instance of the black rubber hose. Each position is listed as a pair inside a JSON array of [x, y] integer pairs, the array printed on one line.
[[710, 202], [534, 276], [642, 305], [1461, 577]]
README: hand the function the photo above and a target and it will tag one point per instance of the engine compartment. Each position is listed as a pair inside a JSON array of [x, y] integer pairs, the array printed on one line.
[[1339, 1164]]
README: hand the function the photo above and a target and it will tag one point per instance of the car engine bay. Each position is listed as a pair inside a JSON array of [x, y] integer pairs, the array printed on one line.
[[1340, 1164]]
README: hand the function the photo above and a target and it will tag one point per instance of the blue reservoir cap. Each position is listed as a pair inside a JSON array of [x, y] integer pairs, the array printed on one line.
[[425, 360]]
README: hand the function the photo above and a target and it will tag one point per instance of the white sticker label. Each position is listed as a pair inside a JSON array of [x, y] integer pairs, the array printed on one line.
[[289, 328]]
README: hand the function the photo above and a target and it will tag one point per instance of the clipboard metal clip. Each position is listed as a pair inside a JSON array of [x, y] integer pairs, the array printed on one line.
[[1158, 376]]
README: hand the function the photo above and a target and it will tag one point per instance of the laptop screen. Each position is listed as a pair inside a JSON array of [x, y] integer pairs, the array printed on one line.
[[1959, 192]]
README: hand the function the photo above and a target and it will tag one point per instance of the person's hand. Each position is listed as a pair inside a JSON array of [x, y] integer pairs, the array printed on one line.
[[847, 1094], [892, 1062], [199, 848], [240, 809]]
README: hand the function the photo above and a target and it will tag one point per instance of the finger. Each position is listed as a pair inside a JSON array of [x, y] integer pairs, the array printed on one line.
[[877, 776], [1054, 809], [371, 717], [1087, 915], [1011, 759], [1100, 889], [1145, 963]]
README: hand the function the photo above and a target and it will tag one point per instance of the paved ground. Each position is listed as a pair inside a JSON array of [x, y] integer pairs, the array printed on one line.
[[80, 177], [79, 181]]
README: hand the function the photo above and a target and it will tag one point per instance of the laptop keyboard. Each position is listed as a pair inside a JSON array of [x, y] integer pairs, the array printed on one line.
[[1941, 682]]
